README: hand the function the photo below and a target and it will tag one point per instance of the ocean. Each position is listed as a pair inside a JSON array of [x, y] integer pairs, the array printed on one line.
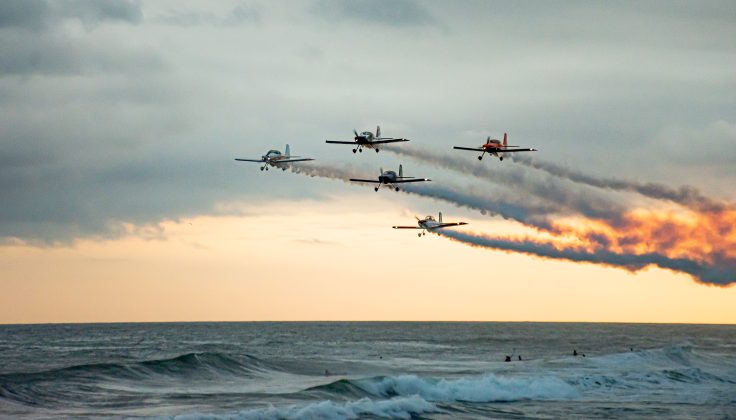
[[315, 370]]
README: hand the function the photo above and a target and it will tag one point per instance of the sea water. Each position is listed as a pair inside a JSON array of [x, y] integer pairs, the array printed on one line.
[[405, 370]]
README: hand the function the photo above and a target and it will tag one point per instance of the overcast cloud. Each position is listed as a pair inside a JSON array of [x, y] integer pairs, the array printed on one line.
[[131, 112]]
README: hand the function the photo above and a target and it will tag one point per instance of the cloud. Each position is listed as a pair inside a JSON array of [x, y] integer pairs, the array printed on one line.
[[713, 144], [33, 39], [383, 12], [41, 14], [240, 14]]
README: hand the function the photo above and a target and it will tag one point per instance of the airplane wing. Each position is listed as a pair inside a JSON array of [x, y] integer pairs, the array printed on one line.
[[292, 160], [365, 180], [516, 150], [249, 160], [406, 227], [399, 181], [475, 149], [340, 142], [450, 224], [383, 140]]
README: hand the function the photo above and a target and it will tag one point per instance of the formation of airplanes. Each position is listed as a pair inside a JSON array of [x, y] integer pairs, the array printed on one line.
[[391, 179]]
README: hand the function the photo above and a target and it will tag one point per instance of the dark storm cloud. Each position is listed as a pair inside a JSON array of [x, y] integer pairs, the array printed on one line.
[[384, 12]]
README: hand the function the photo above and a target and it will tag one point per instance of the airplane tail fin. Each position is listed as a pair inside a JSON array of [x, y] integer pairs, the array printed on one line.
[[378, 131], [440, 219], [381, 169], [287, 152], [401, 171], [505, 140]]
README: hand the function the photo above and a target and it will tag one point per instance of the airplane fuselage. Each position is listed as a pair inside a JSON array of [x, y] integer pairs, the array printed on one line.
[[428, 224], [273, 157], [365, 139], [388, 177], [493, 147]]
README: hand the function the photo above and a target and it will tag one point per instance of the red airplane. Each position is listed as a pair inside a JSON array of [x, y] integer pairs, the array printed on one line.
[[496, 148]]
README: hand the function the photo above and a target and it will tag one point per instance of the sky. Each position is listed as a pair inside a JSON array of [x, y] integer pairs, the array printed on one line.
[[121, 201]]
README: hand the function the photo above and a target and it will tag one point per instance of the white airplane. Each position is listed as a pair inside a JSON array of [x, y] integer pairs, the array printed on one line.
[[430, 224], [496, 148], [276, 159], [368, 140], [390, 178]]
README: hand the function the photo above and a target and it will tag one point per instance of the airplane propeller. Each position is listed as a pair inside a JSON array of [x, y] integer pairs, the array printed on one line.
[[356, 133]]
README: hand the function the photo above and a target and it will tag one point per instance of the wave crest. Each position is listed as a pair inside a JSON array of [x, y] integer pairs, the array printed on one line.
[[488, 388]]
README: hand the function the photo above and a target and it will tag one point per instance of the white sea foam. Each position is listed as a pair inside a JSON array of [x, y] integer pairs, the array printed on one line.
[[486, 388], [397, 408]]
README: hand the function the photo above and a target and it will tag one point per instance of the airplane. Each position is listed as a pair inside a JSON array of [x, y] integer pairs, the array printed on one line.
[[430, 224], [276, 159], [390, 178], [495, 147], [368, 140]]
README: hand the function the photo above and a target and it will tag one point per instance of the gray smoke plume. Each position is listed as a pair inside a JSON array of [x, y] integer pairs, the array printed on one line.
[[686, 195], [509, 206], [506, 205], [721, 273], [572, 199], [323, 171]]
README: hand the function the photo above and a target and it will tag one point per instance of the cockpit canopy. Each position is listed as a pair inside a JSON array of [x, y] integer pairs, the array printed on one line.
[[273, 153], [429, 218]]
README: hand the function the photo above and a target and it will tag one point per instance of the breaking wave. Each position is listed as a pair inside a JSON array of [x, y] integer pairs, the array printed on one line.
[[487, 388], [399, 408]]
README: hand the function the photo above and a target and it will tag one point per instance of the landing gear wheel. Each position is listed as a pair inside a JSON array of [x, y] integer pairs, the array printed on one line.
[[283, 169], [360, 150], [261, 168], [355, 150], [397, 189], [375, 189], [480, 157], [419, 235], [376, 150], [501, 159]]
